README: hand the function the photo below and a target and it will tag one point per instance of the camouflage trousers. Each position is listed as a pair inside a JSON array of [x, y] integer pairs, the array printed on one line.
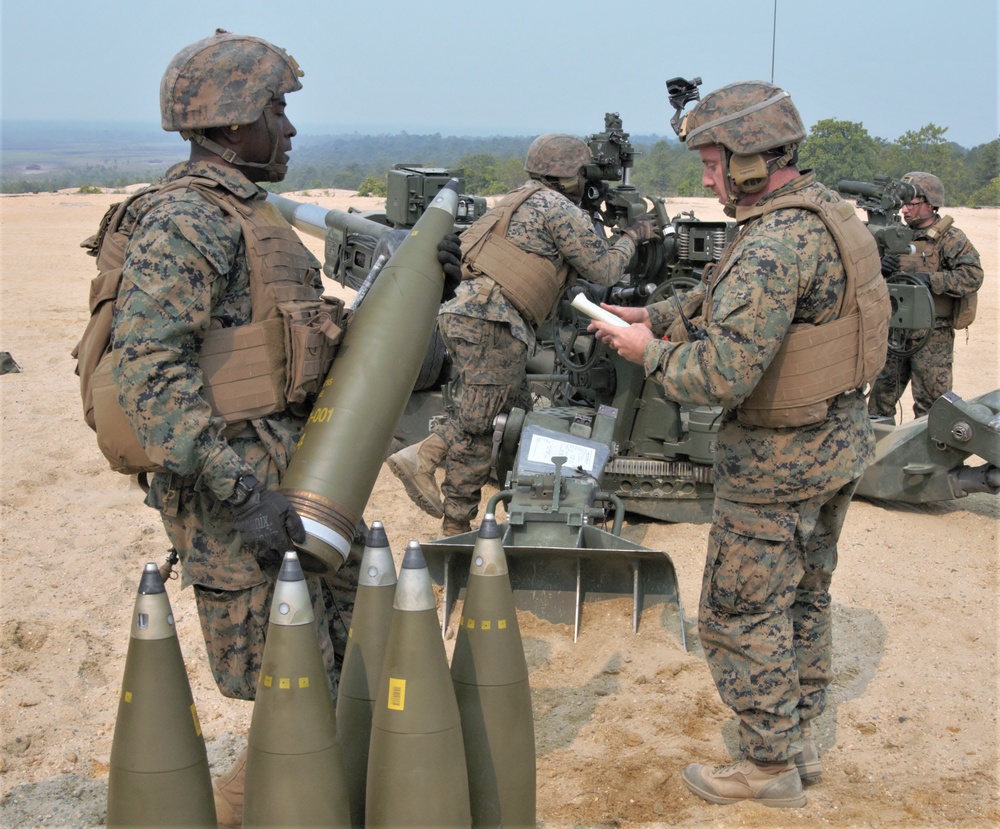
[[234, 624], [491, 366], [929, 370], [764, 619], [233, 590]]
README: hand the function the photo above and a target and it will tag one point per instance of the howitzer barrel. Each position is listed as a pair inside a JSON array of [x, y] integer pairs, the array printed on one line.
[[857, 188], [890, 194], [316, 220]]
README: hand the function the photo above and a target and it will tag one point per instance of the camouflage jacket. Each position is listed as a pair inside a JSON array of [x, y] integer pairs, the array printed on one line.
[[550, 225], [786, 268], [185, 269]]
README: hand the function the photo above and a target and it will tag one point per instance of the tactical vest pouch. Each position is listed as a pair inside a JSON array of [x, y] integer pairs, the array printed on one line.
[[963, 312], [312, 334], [93, 344], [115, 435]]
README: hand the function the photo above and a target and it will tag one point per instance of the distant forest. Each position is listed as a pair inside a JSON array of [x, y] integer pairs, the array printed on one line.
[[33, 163]]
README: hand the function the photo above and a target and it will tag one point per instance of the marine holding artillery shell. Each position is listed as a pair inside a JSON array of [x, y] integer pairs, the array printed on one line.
[[344, 443]]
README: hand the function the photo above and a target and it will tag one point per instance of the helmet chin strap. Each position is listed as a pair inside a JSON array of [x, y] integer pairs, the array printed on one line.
[[276, 172]]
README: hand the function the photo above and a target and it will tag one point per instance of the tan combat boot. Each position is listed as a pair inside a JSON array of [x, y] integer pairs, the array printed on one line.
[[414, 466], [228, 791], [770, 784], [807, 761], [450, 527]]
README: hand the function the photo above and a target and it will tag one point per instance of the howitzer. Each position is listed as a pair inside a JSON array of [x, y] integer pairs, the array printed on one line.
[[659, 453], [912, 303], [882, 202]]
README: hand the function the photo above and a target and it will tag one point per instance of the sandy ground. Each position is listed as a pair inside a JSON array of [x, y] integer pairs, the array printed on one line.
[[909, 737]]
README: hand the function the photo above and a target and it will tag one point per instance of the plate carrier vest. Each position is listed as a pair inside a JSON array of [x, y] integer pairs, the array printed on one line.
[[817, 362]]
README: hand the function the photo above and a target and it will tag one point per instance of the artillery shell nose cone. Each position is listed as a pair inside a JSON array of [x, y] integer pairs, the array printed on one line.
[[291, 604], [489, 527], [377, 536], [291, 569], [378, 568], [413, 558], [414, 590], [151, 581]]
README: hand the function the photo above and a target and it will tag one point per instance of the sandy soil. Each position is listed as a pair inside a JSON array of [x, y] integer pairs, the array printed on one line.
[[909, 737]]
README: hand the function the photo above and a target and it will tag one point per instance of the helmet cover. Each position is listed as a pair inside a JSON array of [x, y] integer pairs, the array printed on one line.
[[224, 80]]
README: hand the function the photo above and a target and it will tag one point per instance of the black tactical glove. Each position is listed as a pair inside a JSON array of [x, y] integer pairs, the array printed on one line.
[[923, 278], [450, 257], [643, 229], [890, 264], [269, 524]]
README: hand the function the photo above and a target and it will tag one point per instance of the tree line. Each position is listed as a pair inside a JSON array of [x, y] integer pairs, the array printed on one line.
[[835, 149], [839, 150]]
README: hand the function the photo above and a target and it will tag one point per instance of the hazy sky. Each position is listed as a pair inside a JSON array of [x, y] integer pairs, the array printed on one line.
[[522, 67]]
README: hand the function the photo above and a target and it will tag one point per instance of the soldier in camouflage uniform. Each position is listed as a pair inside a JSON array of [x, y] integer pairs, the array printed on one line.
[[489, 326], [187, 270], [783, 476], [947, 263]]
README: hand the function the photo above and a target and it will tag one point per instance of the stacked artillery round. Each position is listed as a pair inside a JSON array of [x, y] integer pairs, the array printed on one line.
[[159, 767], [295, 770]]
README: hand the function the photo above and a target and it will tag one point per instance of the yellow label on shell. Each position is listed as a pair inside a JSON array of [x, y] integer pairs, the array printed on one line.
[[127, 696], [486, 624], [284, 682], [397, 694], [303, 682], [268, 681]]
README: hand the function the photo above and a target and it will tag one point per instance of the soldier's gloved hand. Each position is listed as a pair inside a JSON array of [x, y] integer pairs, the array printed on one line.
[[269, 525], [643, 229], [923, 278], [890, 264], [450, 257]]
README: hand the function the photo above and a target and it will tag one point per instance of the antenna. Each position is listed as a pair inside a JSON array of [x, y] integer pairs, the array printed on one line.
[[774, 30]]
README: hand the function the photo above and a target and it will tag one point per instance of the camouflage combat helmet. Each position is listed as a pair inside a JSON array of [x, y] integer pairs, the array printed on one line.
[[223, 80], [929, 186], [746, 118], [556, 155]]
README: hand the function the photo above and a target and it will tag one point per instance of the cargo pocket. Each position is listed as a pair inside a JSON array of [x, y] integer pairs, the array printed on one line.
[[480, 405], [754, 563], [233, 625]]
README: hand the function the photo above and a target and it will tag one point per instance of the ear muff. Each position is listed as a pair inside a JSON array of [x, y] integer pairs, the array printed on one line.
[[749, 172]]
